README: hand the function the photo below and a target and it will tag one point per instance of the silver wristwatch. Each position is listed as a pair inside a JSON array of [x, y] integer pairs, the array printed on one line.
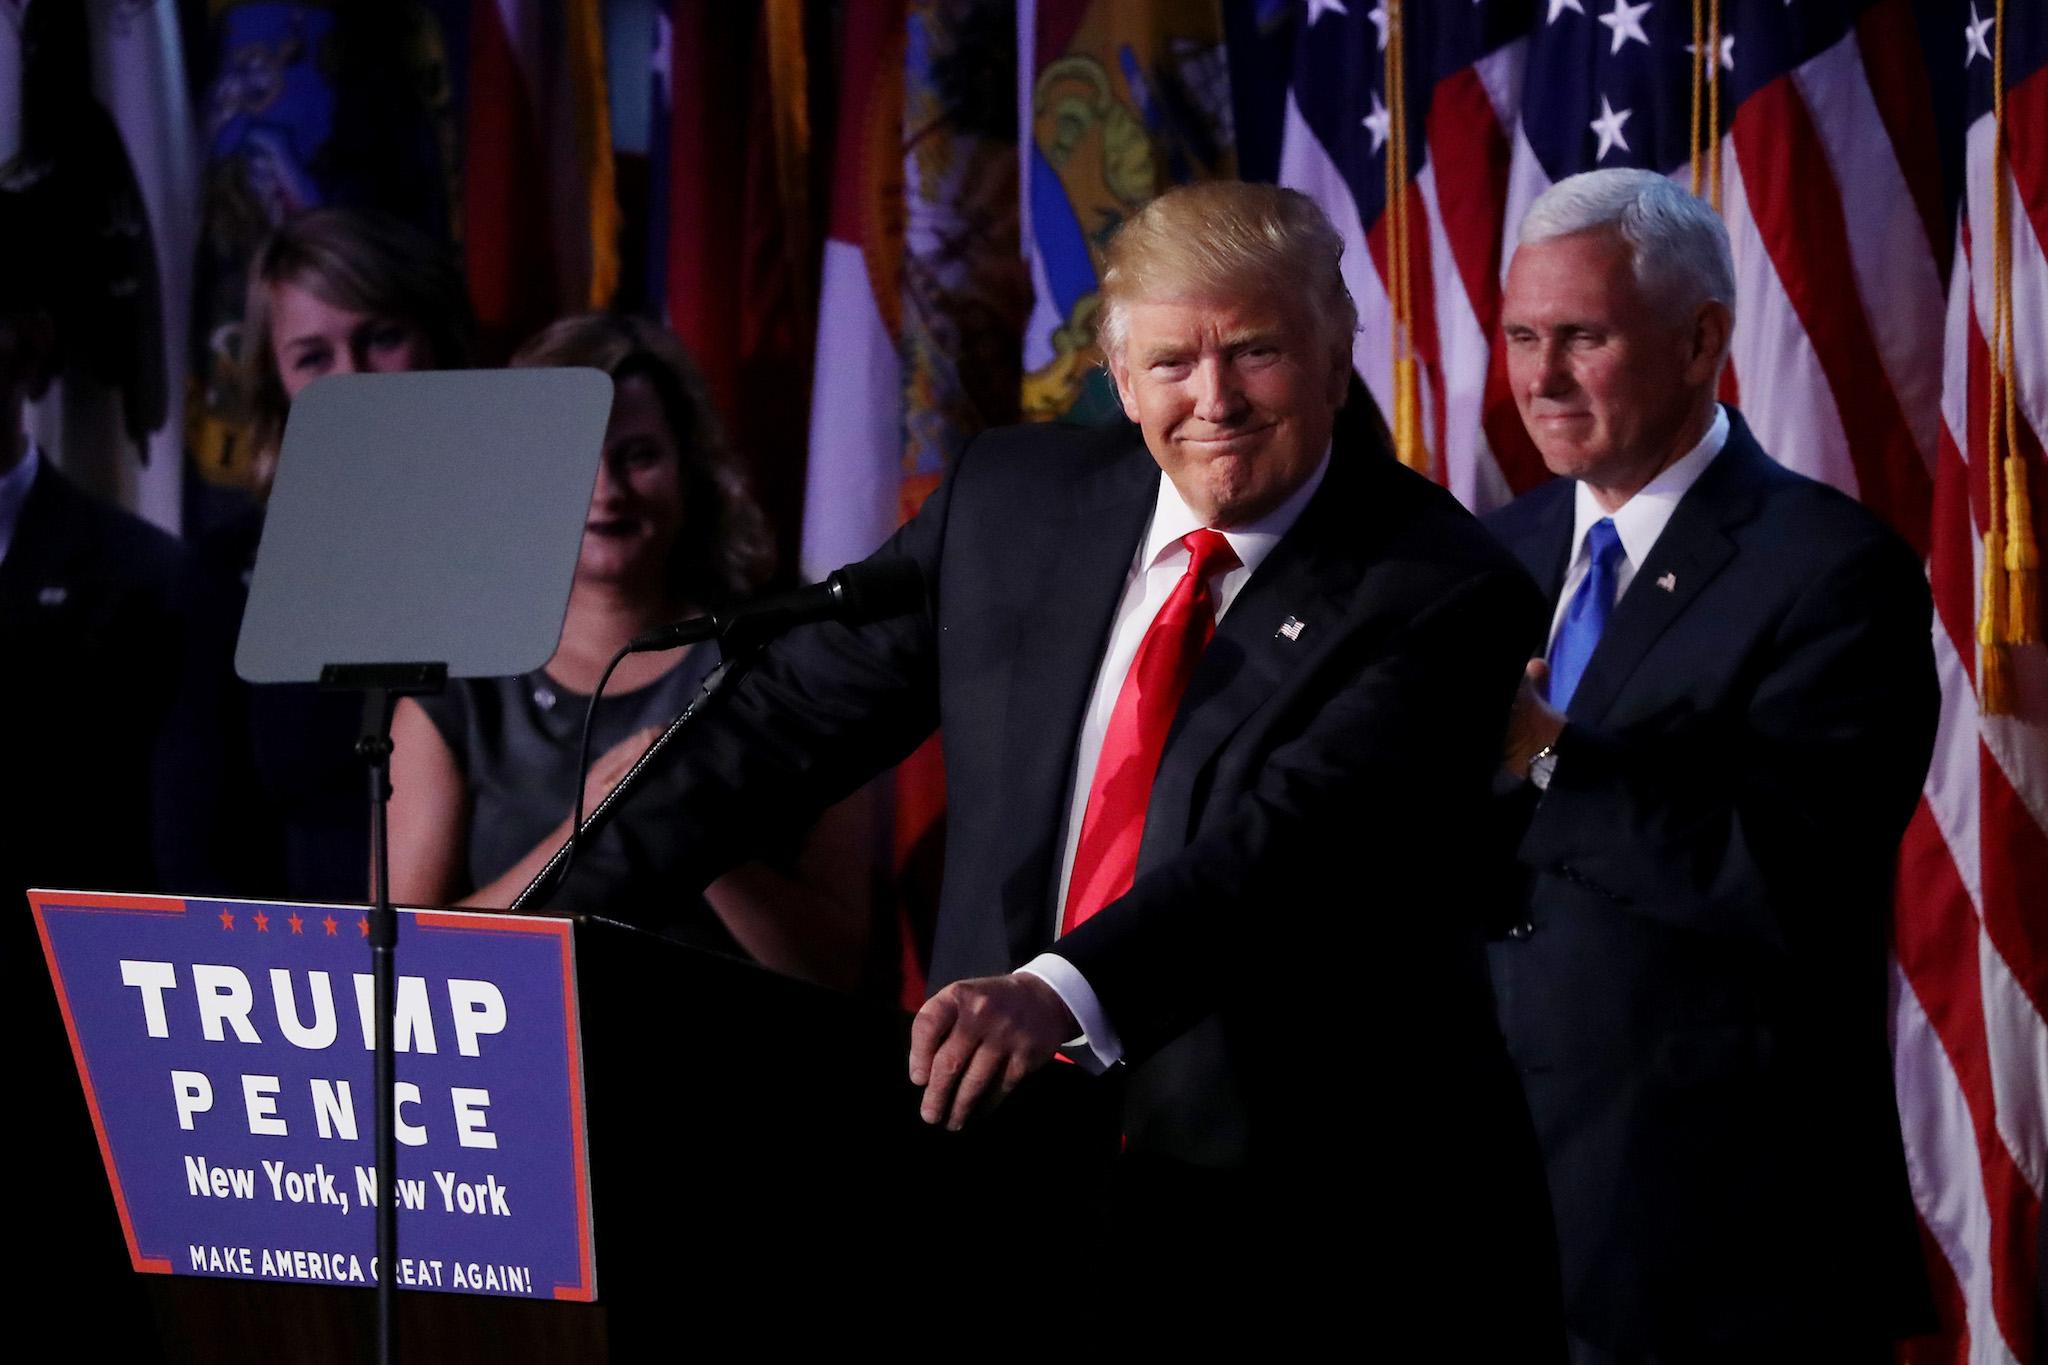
[[1543, 765]]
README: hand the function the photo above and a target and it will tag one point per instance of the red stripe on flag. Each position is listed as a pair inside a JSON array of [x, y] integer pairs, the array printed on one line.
[[873, 43], [1888, 42], [2014, 1245], [1422, 330], [2026, 123], [1798, 210], [2015, 864], [707, 172], [1471, 155], [1936, 934], [509, 262]]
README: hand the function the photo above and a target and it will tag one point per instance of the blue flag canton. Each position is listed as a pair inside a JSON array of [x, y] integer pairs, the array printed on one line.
[[1975, 46], [1340, 76], [1610, 81]]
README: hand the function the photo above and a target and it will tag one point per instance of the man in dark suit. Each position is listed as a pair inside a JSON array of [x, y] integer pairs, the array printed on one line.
[[90, 638], [1715, 766], [1227, 867]]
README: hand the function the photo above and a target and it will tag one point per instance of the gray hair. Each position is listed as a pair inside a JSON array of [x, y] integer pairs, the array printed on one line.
[[1677, 245]]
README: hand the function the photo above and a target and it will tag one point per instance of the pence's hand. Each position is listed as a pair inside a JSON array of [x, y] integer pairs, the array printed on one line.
[[974, 1040]]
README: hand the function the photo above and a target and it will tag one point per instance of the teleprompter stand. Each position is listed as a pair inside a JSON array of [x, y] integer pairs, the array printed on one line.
[[381, 686], [418, 517]]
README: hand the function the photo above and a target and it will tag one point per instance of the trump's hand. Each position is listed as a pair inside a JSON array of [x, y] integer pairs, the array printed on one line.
[[974, 1040], [1532, 723]]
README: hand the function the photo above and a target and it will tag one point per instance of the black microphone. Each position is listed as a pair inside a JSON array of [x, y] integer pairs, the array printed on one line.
[[866, 591]]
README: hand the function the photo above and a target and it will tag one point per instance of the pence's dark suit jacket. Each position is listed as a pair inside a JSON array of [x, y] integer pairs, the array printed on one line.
[[1298, 974], [1694, 985]]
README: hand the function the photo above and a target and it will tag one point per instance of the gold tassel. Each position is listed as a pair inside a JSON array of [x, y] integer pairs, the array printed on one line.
[[1712, 63], [1408, 443], [1991, 614], [1699, 46], [2005, 610], [1994, 680], [2022, 559], [1410, 446]]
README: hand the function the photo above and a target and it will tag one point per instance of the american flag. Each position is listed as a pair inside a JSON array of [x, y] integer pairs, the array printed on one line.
[[1849, 147]]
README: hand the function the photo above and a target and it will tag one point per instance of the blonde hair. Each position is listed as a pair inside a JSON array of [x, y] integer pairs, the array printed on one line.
[[1227, 239], [361, 260], [723, 552]]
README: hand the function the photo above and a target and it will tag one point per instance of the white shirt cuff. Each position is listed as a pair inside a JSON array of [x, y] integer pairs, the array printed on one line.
[[1098, 1048]]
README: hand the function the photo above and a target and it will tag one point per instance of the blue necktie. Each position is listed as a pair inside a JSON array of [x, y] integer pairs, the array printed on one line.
[[1586, 617]]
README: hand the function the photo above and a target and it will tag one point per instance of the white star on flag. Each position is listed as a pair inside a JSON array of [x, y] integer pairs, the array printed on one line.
[[1558, 7], [1378, 15], [1608, 126], [1376, 123], [1627, 22], [1974, 45], [1318, 8], [1727, 51]]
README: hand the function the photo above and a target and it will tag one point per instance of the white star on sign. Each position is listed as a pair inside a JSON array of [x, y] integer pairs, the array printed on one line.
[[1378, 15], [1727, 51], [1627, 22], [1376, 123], [1608, 126], [1558, 7], [1318, 8], [1973, 37]]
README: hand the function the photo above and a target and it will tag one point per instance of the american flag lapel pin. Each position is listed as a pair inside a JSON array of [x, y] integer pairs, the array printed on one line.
[[1669, 582], [1291, 628]]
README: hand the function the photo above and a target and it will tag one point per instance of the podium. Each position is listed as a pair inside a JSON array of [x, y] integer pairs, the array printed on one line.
[[784, 1173], [760, 1177]]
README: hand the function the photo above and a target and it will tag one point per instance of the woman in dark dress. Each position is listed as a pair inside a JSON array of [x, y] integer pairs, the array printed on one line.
[[483, 774]]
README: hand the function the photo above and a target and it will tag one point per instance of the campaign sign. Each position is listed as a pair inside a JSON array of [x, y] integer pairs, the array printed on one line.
[[225, 1050]]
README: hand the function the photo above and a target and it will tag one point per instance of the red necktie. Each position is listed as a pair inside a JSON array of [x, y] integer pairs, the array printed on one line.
[[1113, 824]]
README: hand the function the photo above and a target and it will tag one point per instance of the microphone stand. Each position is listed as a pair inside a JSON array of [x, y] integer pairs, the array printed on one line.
[[855, 594], [731, 668]]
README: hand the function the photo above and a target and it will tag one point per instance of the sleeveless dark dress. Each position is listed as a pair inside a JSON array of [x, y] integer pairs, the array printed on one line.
[[514, 741]]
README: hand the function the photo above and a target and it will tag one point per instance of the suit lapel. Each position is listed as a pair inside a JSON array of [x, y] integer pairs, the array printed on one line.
[[1693, 548], [1537, 530], [1081, 564], [1555, 552], [1305, 582]]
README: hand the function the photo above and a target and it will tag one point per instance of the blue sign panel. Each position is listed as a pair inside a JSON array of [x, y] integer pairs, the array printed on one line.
[[224, 1047]]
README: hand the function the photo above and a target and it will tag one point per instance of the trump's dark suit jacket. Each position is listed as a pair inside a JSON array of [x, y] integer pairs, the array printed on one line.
[[1298, 975], [1693, 985]]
